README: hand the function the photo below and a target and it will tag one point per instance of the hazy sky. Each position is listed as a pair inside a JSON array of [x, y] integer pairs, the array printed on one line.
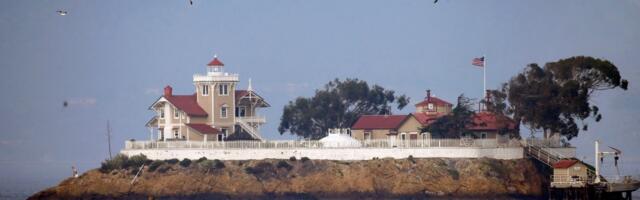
[[110, 60]]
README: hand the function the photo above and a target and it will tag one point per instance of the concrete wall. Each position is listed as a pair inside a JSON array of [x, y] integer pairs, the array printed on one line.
[[329, 154]]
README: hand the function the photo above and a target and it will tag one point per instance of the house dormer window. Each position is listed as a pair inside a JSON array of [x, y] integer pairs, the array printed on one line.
[[223, 89], [205, 90], [176, 113], [161, 113]]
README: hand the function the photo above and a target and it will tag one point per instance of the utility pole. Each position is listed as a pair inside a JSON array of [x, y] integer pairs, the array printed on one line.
[[109, 139]]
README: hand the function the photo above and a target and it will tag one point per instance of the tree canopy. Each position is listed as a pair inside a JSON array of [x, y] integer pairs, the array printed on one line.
[[555, 97], [455, 124], [337, 105]]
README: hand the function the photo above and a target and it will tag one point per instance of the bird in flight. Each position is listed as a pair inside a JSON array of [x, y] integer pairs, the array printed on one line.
[[61, 12], [190, 2], [435, 1]]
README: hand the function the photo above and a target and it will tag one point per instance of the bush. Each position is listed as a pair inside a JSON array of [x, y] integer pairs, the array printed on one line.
[[164, 169], [259, 168], [118, 162], [185, 163], [284, 164], [410, 158], [304, 159], [217, 164], [201, 159], [155, 164], [172, 161], [136, 161], [292, 158]]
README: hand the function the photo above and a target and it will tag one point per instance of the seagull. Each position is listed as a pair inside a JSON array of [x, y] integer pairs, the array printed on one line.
[[191, 2], [65, 104], [61, 12], [435, 1]]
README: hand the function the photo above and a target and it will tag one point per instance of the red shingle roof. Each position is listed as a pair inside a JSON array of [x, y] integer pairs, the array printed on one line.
[[426, 119], [486, 121], [435, 101], [563, 164], [240, 94], [188, 104], [204, 128], [379, 121], [215, 62]]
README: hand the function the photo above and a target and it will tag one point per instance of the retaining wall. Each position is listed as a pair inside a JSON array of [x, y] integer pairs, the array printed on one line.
[[329, 153]]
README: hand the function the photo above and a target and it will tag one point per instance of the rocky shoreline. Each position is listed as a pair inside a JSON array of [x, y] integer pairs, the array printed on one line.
[[312, 179]]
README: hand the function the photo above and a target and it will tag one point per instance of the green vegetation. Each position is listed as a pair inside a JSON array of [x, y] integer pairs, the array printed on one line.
[[185, 162], [172, 161], [410, 158], [304, 159], [338, 105], [292, 158], [284, 164], [155, 164], [553, 98], [201, 159], [456, 124], [121, 161]]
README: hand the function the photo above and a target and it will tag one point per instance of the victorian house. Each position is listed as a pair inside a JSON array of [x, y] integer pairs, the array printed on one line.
[[215, 111]]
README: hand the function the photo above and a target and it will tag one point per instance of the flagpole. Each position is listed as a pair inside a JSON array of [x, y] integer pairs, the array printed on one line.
[[484, 77]]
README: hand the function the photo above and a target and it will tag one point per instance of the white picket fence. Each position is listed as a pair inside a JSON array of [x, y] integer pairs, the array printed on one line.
[[314, 144]]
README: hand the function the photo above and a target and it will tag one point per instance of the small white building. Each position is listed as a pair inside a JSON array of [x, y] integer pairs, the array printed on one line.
[[339, 138]]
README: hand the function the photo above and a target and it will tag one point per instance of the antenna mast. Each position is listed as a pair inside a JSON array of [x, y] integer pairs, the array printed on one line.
[[109, 138]]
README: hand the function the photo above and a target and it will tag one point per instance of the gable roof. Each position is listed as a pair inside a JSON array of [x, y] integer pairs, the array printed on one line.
[[204, 128], [379, 121], [242, 93], [435, 101], [489, 121], [188, 104], [563, 164]]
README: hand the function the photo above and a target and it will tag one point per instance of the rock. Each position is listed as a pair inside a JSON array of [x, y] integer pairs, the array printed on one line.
[[384, 178]]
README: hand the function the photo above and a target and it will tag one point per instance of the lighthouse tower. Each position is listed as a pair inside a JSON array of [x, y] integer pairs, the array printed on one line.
[[215, 94]]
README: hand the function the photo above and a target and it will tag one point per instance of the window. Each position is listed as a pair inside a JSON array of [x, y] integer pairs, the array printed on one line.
[[223, 112], [430, 106], [175, 133], [161, 113], [241, 111], [367, 134], [403, 136], [483, 135], [205, 90], [176, 113], [223, 89], [161, 132]]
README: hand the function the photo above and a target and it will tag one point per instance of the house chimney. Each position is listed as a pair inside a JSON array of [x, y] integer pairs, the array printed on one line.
[[428, 95], [168, 91]]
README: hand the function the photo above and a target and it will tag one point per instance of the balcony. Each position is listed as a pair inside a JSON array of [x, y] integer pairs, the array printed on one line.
[[253, 119], [215, 76]]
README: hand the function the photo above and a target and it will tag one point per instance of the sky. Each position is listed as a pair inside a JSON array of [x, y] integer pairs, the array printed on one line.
[[111, 59]]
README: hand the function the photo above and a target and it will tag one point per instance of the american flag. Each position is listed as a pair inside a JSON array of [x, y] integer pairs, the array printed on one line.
[[478, 62]]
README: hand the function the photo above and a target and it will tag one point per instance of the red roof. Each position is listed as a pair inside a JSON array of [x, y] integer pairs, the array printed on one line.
[[215, 62], [486, 121], [379, 121], [204, 128], [188, 104], [426, 119], [563, 164], [434, 100]]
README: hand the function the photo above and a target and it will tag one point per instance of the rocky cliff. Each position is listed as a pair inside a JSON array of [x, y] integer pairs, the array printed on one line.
[[386, 178]]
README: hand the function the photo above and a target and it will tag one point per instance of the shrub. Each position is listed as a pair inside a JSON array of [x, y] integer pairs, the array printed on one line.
[[284, 164], [164, 169], [304, 159], [292, 158], [217, 164], [120, 161], [201, 159], [410, 158], [207, 164], [185, 163], [259, 168], [172, 161], [155, 164], [136, 161]]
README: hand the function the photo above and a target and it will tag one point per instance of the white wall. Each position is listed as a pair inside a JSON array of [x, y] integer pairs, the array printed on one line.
[[329, 154]]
